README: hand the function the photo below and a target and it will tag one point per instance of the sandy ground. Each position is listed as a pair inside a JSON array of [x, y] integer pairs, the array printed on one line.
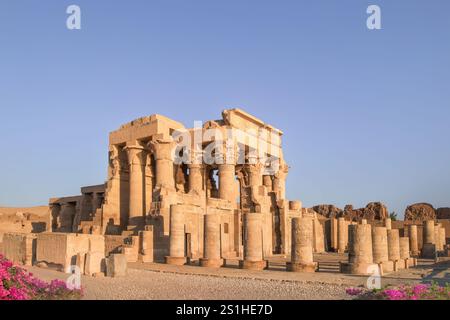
[[154, 281], [151, 285]]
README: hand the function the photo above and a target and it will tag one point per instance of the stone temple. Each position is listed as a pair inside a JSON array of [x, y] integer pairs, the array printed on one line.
[[215, 195], [188, 210]]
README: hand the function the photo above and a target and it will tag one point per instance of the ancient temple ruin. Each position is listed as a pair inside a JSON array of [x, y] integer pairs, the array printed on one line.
[[197, 203], [215, 195]]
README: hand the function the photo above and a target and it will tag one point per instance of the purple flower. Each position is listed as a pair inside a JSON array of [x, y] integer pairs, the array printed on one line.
[[354, 291]]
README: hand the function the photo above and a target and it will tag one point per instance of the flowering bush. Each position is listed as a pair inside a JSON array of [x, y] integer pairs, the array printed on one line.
[[404, 292], [17, 284]]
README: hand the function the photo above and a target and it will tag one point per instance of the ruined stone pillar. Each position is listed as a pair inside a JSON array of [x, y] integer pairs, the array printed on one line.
[[227, 182], [364, 221], [394, 247], [360, 256], [318, 236], [388, 223], [380, 249], [177, 254], [442, 237], [146, 244], [404, 251], [148, 184], [253, 250], [334, 233], [137, 200], [163, 151], [302, 246], [428, 232], [211, 256], [437, 237], [66, 217], [342, 235], [413, 240]]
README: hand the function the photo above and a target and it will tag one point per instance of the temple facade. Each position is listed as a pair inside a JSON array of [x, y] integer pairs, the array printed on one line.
[[201, 192]]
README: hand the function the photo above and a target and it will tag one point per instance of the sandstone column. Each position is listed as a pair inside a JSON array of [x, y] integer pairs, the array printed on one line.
[[394, 247], [442, 237], [253, 251], [388, 223], [212, 257], [137, 199], [255, 174], [163, 151], [177, 253], [196, 172], [279, 181], [334, 233], [428, 232], [196, 179], [413, 240], [360, 250], [380, 249], [148, 184], [404, 250], [437, 236], [429, 246], [342, 235], [302, 246], [66, 217], [146, 244], [318, 236], [227, 182]]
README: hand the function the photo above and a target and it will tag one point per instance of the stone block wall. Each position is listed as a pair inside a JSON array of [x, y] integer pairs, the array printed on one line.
[[60, 250], [20, 248]]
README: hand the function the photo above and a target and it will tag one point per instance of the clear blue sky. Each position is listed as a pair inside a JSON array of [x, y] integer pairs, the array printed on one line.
[[366, 114]]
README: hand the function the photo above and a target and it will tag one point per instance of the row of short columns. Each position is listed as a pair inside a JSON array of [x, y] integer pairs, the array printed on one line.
[[376, 248], [379, 246], [253, 241], [253, 258]]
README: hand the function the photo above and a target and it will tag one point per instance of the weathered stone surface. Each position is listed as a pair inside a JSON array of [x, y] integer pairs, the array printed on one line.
[[116, 265], [420, 212], [360, 257], [60, 250], [373, 211], [94, 263], [19, 247], [328, 210]]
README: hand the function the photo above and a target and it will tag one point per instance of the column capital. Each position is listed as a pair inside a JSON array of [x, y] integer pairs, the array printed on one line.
[[254, 168], [135, 154], [283, 171], [162, 149]]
